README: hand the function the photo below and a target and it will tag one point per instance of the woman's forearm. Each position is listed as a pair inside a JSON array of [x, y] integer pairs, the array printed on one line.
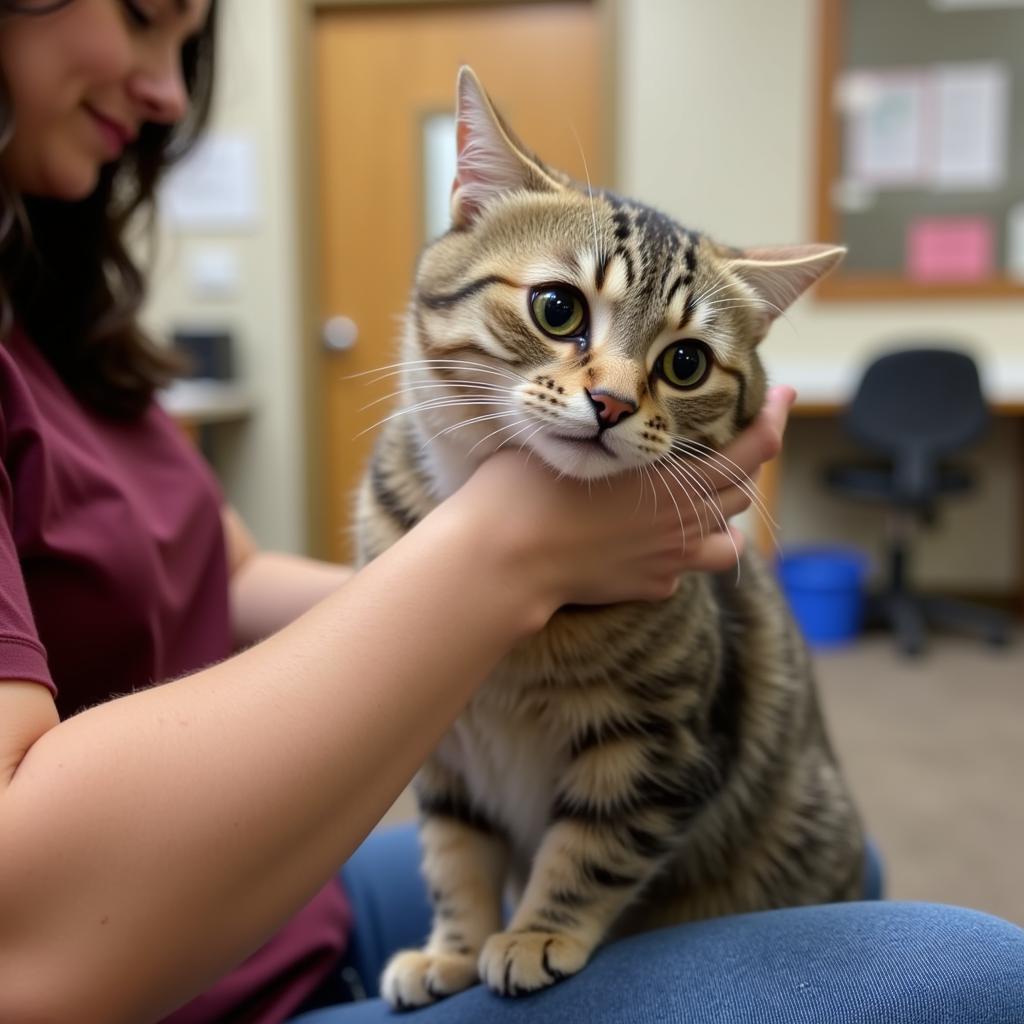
[[271, 589], [271, 766]]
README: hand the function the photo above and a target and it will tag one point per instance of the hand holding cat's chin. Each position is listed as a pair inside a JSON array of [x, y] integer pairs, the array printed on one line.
[[567, 541], [562, 541]]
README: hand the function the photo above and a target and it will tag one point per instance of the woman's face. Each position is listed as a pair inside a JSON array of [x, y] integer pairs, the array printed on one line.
[[84, 79]]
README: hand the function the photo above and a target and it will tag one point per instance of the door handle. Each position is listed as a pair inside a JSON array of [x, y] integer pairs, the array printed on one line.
[[339, 333]]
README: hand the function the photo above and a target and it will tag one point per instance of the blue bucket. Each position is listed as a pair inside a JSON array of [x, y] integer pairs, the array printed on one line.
[[825, 589]]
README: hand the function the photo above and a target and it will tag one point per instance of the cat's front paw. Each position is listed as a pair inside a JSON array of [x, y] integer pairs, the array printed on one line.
[[415, 977], [515, 963]]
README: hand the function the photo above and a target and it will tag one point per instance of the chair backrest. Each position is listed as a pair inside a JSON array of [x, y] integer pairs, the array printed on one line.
[[926, 401]]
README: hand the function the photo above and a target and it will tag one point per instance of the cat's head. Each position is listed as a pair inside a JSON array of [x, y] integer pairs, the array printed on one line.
[[592, 329]]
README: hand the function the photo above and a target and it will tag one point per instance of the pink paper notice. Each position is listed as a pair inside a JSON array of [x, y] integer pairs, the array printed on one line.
[[950, 249]]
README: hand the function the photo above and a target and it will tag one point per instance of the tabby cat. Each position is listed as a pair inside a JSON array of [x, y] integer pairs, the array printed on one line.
[[634, 765]]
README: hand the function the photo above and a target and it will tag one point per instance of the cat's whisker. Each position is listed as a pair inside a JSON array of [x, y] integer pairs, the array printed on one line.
[[769, 524], [723, 305], [682, 526], [420, 376], [654, 492], [434, 403], [759, 509], [515, 435], [423, 365], [707, 495], [703, 483], [457, 382], [687, 487], [705, 295], [721, 464], [641, 471], [714, 507], [422, 382], [477, 397], [727, 303], [451, 428], [529, 454], [461, 384], [757, 501], [508, 426], [467, 367]]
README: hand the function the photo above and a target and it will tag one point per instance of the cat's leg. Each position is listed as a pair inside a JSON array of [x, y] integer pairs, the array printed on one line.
[[581, 881], [464, 862], [621, 811]]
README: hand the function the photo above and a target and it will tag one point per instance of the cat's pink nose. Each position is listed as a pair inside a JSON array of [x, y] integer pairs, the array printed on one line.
[[610, 408]]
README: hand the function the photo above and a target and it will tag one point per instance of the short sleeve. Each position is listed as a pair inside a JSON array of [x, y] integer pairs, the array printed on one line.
[[22, 656]]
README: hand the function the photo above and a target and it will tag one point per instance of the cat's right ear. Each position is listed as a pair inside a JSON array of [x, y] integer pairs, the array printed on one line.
[[491, 161]]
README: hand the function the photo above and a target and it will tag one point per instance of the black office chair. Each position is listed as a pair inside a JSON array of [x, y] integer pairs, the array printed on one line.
[[913, 408]]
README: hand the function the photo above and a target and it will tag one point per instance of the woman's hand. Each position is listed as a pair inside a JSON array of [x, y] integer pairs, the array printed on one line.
[[629, 537]]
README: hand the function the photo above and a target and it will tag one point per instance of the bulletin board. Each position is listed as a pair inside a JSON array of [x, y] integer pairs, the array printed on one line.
[[921, 147]]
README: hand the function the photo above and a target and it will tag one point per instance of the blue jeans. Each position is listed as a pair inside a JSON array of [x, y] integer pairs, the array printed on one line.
[[845, 963]]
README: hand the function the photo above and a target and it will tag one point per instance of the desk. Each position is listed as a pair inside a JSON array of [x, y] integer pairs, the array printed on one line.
[[200, 405], [824, 389]]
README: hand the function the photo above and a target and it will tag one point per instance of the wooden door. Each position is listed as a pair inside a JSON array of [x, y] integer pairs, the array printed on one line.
[[379, 72]]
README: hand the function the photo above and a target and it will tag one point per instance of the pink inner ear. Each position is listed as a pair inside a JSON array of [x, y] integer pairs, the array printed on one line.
[[463, 171], [461, 135], [461, 141]]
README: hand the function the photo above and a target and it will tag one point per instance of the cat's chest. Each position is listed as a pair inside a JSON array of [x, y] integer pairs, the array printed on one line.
[[511, 765]]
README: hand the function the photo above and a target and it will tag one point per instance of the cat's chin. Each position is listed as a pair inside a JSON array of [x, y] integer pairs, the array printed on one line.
[[583, 459]]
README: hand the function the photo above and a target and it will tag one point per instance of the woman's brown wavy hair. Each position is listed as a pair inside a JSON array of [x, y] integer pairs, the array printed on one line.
[[66, 276]]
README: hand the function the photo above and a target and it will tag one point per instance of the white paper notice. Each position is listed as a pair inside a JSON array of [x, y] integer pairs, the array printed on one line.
[[1015, 242], [971, 104], [853, 196], [885, 143], [956, 5], [214, 188]]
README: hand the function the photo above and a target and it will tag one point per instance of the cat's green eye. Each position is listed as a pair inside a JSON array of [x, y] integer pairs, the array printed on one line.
[[686, 364], [559, 311]]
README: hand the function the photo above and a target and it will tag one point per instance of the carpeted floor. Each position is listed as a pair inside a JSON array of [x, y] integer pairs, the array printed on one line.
[[934, 750]]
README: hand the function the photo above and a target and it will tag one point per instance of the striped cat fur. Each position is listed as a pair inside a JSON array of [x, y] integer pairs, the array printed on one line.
[[636, 765]]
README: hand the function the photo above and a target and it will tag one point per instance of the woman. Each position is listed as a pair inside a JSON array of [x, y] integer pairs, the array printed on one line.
[[152, 837]]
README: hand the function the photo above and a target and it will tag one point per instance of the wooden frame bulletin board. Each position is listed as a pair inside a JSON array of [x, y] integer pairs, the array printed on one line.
[[953, 225]]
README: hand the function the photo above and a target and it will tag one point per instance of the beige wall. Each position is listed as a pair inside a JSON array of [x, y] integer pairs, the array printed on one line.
[[716, 126]]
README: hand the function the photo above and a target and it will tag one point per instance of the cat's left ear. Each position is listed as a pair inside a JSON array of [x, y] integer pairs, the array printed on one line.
[[491, 161], [780, 275]]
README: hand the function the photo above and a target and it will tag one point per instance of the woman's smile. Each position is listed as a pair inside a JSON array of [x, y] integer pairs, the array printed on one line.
[[114, 135]]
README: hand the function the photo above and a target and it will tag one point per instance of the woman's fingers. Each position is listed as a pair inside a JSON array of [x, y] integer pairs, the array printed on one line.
[[716, 553]]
